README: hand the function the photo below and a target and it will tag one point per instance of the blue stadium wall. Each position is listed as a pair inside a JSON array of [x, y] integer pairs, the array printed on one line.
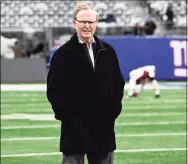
[[167, 54]]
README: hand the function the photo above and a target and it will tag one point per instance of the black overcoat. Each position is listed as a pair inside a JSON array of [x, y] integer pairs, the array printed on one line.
[[86, 100]]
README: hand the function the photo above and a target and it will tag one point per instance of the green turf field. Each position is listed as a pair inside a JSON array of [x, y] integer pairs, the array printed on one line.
[[149, 130]]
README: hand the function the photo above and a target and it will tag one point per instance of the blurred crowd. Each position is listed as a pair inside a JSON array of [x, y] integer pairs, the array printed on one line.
[[11, 48]]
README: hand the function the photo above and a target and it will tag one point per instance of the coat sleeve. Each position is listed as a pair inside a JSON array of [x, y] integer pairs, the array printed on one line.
[[119, 85], [57, 80]]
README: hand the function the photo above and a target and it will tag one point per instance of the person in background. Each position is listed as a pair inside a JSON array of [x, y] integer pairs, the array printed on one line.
[[54, 48], [35, 47], [138, 30], [85, 88], [110, 18], [170, 16], [142, 76], [7, 47], [149, 26]]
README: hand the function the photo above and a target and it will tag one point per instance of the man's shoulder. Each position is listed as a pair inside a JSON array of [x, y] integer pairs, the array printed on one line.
[[103, 43], [61, 52], [107, 46], [68, 45], [63, 48]]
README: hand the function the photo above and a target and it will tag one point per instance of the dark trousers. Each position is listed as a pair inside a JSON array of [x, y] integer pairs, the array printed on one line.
[[79, 159]]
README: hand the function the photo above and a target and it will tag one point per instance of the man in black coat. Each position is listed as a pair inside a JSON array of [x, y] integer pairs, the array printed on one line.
[[85, 88], [170, 17], [149, 26]]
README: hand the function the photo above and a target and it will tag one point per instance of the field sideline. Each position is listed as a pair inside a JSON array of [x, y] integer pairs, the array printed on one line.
[[42, 87], [148, 130]]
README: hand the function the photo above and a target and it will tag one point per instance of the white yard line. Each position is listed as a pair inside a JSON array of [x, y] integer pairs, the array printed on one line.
[[30, 127], [42, 87], [30, 87], [117, 135], [158, 107], [151, 123], [29, 139], [124, 101], [35, 108], [117, 124], [152, 101], [155, 114], [151, 134], [116, 151], [150, 150], [50, 117]]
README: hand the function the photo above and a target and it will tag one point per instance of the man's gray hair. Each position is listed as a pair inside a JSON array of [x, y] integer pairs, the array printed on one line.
[[84, 6]]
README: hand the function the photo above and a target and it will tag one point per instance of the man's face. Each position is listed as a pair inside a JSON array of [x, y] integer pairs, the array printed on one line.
[[85, 23]]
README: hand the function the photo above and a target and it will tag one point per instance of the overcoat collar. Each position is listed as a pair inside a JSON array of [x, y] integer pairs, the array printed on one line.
[[99, 43]]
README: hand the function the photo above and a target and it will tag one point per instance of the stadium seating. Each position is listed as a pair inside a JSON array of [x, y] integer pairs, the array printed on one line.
[[179, 9], [19, 14]]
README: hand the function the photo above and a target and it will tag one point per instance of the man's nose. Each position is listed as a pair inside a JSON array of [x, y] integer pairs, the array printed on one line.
[[87, 24]]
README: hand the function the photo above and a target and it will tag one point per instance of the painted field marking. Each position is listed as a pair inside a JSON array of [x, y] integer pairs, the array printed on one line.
[[116, 151], [117, 135], [152, 114], [117, 124], [50, 117]]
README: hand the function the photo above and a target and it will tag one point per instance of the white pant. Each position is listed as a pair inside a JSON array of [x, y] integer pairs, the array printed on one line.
[[133, 87]]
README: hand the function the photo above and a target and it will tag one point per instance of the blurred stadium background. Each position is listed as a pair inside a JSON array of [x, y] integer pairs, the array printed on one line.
[[149, 131]]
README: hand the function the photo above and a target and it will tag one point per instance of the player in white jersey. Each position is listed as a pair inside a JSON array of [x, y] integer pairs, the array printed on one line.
[[142, 76]]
